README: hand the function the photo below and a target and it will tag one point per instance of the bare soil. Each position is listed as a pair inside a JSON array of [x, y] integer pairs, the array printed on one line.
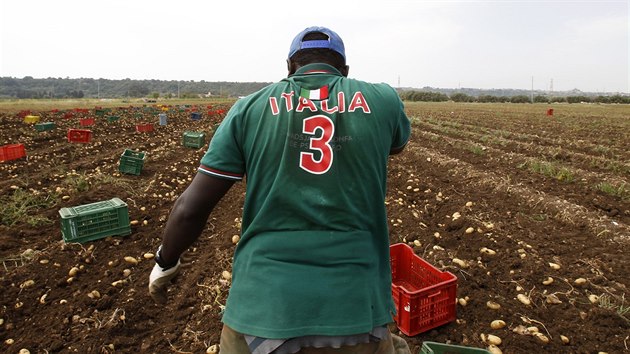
[[474, 160]]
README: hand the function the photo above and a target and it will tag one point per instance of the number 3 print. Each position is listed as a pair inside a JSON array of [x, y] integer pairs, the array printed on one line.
[[319, 142]]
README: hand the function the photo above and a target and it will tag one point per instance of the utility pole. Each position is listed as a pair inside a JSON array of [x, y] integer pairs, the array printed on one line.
[[98, 88], [177, 88], [532, 94]]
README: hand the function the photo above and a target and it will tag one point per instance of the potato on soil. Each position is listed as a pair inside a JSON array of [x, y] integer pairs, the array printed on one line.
[[493, 305], [497, 324], [131, 260], [524, 299], [493, 349]]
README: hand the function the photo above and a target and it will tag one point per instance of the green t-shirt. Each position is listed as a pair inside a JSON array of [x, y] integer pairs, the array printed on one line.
[[313, 258]]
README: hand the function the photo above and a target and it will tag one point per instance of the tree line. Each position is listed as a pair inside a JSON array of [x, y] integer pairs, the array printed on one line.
[[431, 96], [29, 87]]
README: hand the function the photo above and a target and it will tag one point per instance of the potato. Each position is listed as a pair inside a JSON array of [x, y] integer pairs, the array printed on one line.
[[547, 281], [148, 255], [555, 266], [541, 337], [593, 298], [27, 284], [493, 349], [524, 299], [460, 262], [470, 230], [497, 324], [134, 222], [213, 349], [73, 271], [226, 275], [579, 281], [235, 239], [469, 204], [490, 339], [131, 260], [493, 305], [487, 251], [564, 339], [462, 301], [417, 243]]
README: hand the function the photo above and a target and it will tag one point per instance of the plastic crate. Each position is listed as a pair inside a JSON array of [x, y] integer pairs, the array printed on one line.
[[195, 116], [111, 119], [424, 296], [86, 122], [162, 118], [131, 162], [94, 221], [440, 348], [41, 127], [79, 135], [31, 119], [12, 152], [194, 139], [143, 128]]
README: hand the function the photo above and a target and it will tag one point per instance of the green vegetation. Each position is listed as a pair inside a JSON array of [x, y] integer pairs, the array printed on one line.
[[476, 149], [617, 305], [618, 191], [19, 260], [549, 169], [24, 206], [56, 88]]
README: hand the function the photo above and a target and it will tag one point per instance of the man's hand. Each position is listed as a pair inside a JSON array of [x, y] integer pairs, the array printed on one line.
[[159, 281]]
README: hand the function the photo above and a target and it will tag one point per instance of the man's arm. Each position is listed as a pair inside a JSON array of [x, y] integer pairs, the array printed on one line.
[[190, 214]]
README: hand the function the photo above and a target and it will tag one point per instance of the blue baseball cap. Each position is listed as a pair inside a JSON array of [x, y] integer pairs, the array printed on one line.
[[333, 42]]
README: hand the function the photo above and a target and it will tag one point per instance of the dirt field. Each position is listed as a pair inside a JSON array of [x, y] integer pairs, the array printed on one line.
[[548, 194]]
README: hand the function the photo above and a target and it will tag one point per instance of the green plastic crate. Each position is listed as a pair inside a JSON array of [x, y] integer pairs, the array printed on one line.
[[194, 139], [94, 221], [112, 119], [441, 348], [131, 162], [40, 127]]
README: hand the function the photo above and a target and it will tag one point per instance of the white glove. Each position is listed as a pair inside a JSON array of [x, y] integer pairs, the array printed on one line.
[[159, 280]]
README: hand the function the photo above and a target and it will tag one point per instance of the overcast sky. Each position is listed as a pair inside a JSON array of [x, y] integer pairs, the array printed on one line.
[[442, 44]]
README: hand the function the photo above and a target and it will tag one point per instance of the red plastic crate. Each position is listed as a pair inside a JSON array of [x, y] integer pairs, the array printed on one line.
[[425, 297], [12, 152], [144, 128], [79, 135], [86, 122]]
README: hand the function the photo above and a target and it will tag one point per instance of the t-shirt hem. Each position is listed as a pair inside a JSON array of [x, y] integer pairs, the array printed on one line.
[[305, 331]]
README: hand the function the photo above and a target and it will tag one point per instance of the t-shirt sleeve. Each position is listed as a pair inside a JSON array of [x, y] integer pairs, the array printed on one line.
[[402, 128], [224, 158]]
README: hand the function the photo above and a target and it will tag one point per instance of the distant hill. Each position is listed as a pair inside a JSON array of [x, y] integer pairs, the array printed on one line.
[[29, 87]]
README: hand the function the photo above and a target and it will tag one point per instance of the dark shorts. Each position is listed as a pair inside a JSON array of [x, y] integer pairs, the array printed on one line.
[[376, 342]]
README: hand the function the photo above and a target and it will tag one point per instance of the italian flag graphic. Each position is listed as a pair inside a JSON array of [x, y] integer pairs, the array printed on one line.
[[319, 94]]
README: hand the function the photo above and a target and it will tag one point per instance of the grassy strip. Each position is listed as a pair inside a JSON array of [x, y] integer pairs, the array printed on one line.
[[22, 206], [549, 169]]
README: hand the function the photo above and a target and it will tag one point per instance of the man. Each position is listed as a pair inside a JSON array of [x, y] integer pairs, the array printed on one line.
[[311, 271]]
